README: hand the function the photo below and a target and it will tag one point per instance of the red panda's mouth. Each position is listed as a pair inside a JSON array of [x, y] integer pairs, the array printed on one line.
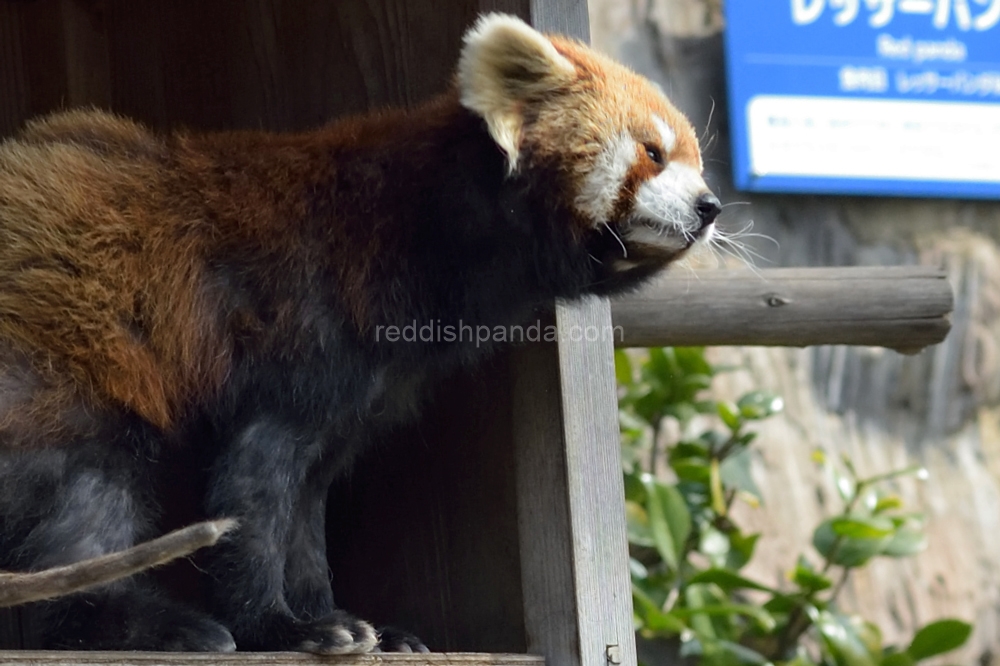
[[667, 236]]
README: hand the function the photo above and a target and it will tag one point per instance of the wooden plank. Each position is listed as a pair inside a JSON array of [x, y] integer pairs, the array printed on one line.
[[549, 586], [904, 308], [574, 559], [47, 658], [596, 492]]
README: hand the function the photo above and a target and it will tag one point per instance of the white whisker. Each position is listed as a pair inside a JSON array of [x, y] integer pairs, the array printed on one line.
[[617, 238]]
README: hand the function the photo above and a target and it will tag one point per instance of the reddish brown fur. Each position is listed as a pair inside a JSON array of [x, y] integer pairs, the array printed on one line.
[[121, 314]]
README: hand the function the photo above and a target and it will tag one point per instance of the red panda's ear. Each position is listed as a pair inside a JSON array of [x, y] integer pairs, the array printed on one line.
[[504, 63]]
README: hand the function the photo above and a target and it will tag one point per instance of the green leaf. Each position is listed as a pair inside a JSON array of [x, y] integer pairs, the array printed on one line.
[[669, 521], [843, 640], [862, 527], [730, 581], [689, 449], [692, 385], [695, 470], [897, 659], [740, 653], [700, 609], [939, 637], [637, 569], [741, 547], [651, 406], [696, 599], [730, 415], [653, 619], [623, 367], [810, 581], [706, 406], [663, 370], [637, 524], [635, 489], [693, 361], [888, 503], [735, 472], [842, 550], [759, 405], [631, 422], [782, 604]]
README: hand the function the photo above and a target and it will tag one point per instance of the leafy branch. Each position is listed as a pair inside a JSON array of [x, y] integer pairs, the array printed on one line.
[[687, 551]]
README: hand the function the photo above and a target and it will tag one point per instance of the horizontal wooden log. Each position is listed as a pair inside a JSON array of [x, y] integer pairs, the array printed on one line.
[[47, 658], [905, 308]]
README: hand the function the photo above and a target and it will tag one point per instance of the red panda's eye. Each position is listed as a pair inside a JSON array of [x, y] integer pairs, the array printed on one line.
[[654, 153]]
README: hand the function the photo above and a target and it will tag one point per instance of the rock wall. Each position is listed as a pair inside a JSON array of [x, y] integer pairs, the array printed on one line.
[[939, 408]]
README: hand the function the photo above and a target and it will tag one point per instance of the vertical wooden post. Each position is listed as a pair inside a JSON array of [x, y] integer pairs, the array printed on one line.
[[571, 516]]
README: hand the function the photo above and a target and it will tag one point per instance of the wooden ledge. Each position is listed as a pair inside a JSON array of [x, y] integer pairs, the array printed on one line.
[[905, 308], [59, 658]]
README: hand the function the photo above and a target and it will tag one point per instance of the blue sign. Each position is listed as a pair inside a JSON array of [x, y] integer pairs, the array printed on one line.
[[892, 97]]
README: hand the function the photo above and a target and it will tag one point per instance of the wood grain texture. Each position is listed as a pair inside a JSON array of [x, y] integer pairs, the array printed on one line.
[[596, 492], [544, 524], [574, 559], [904, 308], [40, 658]]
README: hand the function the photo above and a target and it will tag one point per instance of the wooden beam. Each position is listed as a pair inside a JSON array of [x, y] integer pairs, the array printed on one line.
[[574, 548], [47, 658], [905, 308]]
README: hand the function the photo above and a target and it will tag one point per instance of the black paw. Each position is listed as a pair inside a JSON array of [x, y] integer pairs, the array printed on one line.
[[338, 633], [394, 640]]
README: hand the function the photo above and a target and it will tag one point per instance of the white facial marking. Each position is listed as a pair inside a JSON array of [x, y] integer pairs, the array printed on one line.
[[602, 185], [664, 211], [667, 134]]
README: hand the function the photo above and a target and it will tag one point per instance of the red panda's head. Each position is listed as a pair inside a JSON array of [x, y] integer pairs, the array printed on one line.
[[627, 160]]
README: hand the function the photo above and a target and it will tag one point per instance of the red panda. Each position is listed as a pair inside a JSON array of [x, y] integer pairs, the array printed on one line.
[[223, 291]]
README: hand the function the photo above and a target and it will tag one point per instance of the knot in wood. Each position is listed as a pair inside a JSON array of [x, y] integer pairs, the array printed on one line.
[[776, 301]]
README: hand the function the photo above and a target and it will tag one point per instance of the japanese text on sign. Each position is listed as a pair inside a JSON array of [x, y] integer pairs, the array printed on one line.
[[966, 14]]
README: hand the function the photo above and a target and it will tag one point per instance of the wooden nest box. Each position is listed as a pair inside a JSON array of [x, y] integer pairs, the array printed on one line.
[[494, 526]]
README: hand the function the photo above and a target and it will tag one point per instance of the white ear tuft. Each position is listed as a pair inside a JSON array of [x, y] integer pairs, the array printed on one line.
[[504, 63]]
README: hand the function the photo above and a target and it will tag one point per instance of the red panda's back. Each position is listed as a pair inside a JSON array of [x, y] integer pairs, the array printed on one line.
[[95, 285]]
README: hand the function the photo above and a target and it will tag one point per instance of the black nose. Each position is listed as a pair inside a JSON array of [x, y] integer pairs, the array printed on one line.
[[708, 208]]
